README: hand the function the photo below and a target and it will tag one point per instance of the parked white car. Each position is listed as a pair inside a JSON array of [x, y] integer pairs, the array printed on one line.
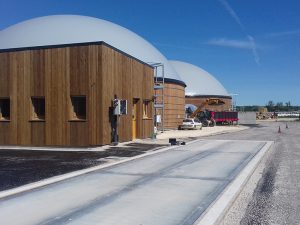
[[190, 124]]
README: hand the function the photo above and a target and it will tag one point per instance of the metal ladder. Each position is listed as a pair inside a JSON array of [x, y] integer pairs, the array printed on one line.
[[159, 84]]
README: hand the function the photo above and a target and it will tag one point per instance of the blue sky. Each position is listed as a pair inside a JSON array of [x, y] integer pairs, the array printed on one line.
[[251, 47]]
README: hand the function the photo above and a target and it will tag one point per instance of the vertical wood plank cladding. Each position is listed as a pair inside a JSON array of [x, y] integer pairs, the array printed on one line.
[[5, 84], [37, 88], [116, 80], [174, 97], [13, 87], [4, 75], [48, 97], [128, 79], [56, 96], [38, 133], [5, 134], [148, 128], [148, 92], [67, 100], [99, 96], [93, 99], [79, 134], [20, 65], [84, 81], [79, 70], [96, 71], [117, 89], [126, 74], [37, 73], [107, 93], [148, 83], [137, 85], [137, 79]]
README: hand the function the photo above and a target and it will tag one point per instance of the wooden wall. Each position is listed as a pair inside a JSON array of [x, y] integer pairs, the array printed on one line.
[[128, 79], [174, 97], [199, 100], [96, 71]]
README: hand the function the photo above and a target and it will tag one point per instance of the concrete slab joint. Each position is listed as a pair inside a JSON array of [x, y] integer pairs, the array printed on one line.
[[216, 211]]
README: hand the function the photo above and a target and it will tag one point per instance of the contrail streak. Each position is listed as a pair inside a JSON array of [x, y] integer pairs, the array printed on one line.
[[232, 13], [235, 17]]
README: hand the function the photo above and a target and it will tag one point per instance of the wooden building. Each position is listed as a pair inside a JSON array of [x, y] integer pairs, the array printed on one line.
[[62, 95], [174, 102]]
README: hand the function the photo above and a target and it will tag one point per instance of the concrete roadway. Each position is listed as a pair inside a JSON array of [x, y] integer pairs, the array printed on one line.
[[276, 198], [170, 187]]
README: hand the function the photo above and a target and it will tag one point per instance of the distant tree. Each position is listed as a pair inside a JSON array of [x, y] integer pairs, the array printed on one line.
[[270, 106], [288, 105], [270, 103], [279, 106], [247, 108]]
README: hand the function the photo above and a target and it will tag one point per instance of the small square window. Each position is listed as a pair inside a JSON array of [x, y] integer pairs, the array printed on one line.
[[146, 109], [37, 108], [4, 109], [78, 110]]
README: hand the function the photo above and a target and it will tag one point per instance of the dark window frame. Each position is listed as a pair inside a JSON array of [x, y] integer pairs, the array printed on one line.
[[38, 108], [5, 109], [78, 111], [146, 109]]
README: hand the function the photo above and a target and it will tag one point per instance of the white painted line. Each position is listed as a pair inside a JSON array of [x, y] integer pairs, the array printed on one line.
[[59, 178], [54, 149], [232, 140], [223, 132], [63, 149], [214, 214]]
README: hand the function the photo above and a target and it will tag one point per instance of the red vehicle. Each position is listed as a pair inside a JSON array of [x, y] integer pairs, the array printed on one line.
[[211, 118], [225, 117]]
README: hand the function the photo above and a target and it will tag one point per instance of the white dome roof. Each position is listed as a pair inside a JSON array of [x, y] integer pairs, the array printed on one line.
[[198, 81], [70, 29]]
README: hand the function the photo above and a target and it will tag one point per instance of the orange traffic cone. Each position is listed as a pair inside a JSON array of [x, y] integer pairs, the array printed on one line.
[[286, 126], [279, 130]]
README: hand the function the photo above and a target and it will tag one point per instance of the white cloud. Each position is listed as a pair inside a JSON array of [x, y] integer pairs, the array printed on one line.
[[223, 42], [178, 46], [239, 44], [283, 33]]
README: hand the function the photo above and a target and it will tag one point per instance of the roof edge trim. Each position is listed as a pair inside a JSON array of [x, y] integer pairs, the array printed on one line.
[[73, 45], [172, 81], [208, 96]]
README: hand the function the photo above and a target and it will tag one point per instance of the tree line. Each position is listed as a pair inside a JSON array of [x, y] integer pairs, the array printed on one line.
[[271, 106]]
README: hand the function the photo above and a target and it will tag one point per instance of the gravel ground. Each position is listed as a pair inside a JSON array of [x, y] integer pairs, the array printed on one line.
[[272, 195], [20, 167]]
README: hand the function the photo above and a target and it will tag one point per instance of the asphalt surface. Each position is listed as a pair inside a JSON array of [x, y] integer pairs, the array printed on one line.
[[20, 167], [276, 198], [170, 187]]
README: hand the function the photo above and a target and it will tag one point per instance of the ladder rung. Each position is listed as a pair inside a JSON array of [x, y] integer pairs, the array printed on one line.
[[156, 87], [158, 105]]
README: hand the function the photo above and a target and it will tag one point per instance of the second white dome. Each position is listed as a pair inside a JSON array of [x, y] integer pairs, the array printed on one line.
[[198, 81]]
